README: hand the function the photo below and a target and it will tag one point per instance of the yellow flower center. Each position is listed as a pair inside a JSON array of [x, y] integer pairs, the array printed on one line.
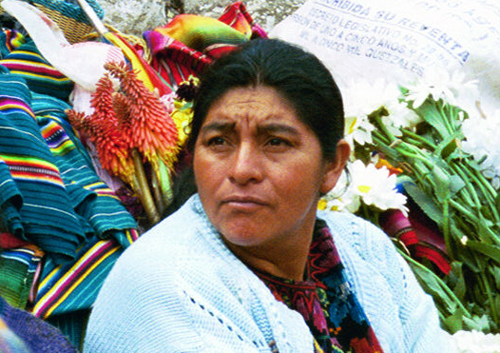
[[353, 124], [322, 205], [364, 189]]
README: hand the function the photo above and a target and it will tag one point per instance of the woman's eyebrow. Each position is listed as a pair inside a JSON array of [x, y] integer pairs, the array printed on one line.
[[277, 128], [218, 126]]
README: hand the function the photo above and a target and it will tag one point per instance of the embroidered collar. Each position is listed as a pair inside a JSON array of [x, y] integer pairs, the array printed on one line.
[[325, 300]]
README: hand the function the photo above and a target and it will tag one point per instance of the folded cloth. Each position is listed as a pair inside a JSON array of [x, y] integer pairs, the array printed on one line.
[[38, 336], [47, 216], [27, 62], [18, 273], [185, 45], [74, 286], [100, 210], [11, 201]]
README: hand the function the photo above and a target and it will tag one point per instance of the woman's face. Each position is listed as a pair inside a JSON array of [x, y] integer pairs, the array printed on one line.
[[259, 170]]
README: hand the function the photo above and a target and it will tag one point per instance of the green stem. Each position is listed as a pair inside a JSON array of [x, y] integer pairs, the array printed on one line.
[[376, 119], [448, 124], [472, 217], [446, 229], [419, 138], [443, 285], [155, 185], [471, 192], [488, 197], [486, 183], [490, 297], [144, 192], [381, 138]]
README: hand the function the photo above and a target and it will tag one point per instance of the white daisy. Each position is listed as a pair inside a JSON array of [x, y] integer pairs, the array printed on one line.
[[441, 84], [368, 184], [476, 342], [400, 116], [358, 129], [376, 186], [482, 143]]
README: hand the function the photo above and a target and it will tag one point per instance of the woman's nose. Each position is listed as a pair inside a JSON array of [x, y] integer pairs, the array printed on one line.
[[246, 165]]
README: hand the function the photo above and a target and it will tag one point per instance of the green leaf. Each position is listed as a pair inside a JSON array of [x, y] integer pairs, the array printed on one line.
[[492, 251], [454, 322], [495, 271], [449, 145], [442, 182], [431, 114], [456, 184], [427, 280], [428, 206], [457, 278], [497, 302], [477, 323]]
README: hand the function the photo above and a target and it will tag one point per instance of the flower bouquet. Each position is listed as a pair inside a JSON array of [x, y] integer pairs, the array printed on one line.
[[137, 136], [429, 149]]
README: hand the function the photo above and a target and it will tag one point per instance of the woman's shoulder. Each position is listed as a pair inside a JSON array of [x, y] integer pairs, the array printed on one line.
[[170, 238], [162, 256]]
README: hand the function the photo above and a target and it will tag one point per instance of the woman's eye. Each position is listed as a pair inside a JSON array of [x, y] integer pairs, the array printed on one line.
[[216, 141], [278, 142]]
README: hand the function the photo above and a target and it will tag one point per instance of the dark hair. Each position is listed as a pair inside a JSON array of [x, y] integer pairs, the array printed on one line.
[[298, 75]]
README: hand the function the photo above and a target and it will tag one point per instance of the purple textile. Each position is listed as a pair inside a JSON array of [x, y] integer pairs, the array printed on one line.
[[38, 335]]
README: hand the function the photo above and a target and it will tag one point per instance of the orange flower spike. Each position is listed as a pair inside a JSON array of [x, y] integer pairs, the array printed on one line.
[[155, 133], [78, 121], [107, 136], [112, 151], [102, 99], [121, 107]]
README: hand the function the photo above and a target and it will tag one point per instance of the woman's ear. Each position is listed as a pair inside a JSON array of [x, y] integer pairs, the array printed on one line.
[[335, 166]]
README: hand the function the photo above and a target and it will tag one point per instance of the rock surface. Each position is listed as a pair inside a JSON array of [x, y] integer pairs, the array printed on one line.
[[136, 16]]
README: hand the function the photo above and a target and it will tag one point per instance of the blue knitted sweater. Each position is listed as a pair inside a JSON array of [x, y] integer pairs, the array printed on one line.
[[179, 289]]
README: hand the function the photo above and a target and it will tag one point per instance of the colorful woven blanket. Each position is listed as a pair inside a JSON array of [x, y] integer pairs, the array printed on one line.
[[185, 45], [50, 195]]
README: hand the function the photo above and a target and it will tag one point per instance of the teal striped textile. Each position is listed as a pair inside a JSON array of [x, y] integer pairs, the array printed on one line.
[[17, 273], [41, 77], [11, 201], [43, 162], [96, 204], [47, 217]]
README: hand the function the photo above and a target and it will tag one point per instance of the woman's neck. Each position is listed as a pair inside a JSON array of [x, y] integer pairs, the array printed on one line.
[[282, 260]]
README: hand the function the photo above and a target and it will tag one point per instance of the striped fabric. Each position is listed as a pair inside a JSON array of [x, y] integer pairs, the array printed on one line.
[[47, 218], [10, 201], [188, 43], [17, 273], [72, 287], [48, 177], [10, 40], [95, 203], [27, 62]]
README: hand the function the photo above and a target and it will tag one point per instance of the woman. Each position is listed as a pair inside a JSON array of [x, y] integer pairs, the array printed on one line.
[[248, 264]]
